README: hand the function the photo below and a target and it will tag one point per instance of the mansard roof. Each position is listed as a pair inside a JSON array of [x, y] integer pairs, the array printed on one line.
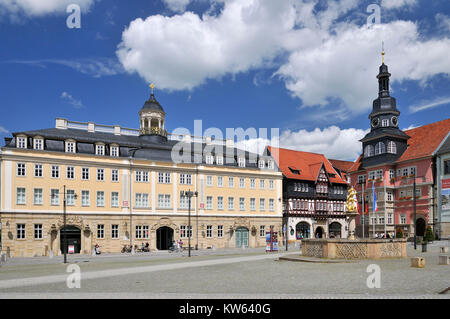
[[148, 149], [309, 164]]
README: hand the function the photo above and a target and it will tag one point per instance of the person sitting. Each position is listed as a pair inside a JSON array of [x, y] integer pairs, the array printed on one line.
[[147, 247], [97, 249]]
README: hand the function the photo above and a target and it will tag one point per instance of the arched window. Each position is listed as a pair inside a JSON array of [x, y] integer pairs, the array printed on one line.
[[368, 151], [392, 147], [380, 148]]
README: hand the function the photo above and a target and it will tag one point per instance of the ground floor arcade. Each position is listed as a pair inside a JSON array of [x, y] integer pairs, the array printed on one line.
[[308, 227]]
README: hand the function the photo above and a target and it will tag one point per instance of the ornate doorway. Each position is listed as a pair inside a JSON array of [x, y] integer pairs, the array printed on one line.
[[242, 237], [319, 232], [164, 238], [302, 230], [73, 235]]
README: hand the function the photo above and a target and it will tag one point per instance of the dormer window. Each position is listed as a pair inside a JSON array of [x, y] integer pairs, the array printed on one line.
[[21, 142], [219, 160], [294, 170], [261, 164], [385, 123], [209, 159], [368, 151], [114, 151], [100, 149], [241, 162], [270, 164], [380, 148], [392, 147], [38, 144], [70, 147]]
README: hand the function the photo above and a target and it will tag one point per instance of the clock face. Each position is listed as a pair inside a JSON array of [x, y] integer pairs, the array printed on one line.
[[394, 120], [375, 122]]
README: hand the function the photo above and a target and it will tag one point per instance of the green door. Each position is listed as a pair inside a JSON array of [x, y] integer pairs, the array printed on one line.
[[242, 237]]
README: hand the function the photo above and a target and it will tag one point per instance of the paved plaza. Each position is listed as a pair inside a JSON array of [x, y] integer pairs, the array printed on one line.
[[232, 273]]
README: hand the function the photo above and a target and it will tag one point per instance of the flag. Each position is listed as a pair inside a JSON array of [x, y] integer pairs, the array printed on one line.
[[375, 208]]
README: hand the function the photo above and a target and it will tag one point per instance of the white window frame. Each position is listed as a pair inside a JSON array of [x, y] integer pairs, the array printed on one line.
[[100, 199], [21, 196], [209, 202], [230, 182], [241, 203], [220, 231], [114, 175], [38, 231], [70, 171], [241, 161], [38, 198], [209, 180], [100, 231], [55, 171], [21, 142], [71, 147], [85, 173], [220, 202], [54, 197], [252, 204], [261, 164], [114, 151], [209, 231], [100, 174], [21, 231], [100, 149], [38, 170], [219, 181], [219, 160], [115, 199], [114, 231], [38, 144], [21, 169], [85, 198], [230, 203], [262, 204]]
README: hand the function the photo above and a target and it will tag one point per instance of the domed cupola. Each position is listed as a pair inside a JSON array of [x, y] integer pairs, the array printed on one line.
[[152, 118]]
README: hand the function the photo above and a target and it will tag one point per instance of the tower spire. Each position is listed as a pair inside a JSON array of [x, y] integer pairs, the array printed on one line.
[[382, 52], [152, 87]]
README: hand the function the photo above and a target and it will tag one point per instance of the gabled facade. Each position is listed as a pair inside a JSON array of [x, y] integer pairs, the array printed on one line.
[[314, 195], [392, 161]]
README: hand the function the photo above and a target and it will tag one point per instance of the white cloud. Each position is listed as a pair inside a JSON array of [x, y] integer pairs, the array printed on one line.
[[443, 21], [71, 100], [332, 141], [395, 4], [330, 59], [40, 7], [3, 130], [429, 104], [97, 67], [177, 5]]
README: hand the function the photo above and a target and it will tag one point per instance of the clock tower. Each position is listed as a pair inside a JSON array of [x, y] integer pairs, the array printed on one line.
[[385, 142]]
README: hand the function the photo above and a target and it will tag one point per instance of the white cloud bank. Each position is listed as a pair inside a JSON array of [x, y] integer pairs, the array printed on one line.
[[71, 100], [325, 59], [333, 142], [34, 8], [177, 5]]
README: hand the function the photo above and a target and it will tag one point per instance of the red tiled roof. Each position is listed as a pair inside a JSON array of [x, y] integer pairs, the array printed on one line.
[[309, 164], [424, 140], [344, 166]]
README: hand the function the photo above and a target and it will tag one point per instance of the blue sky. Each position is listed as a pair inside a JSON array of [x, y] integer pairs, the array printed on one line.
[[306, 67]]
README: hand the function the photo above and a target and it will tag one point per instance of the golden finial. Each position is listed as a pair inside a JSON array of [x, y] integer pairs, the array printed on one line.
[[382, 52], [152, 86]]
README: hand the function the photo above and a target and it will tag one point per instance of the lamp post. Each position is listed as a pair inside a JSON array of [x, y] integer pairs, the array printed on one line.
[[64, 221], [130, 200], [415, 216], [189, 195]]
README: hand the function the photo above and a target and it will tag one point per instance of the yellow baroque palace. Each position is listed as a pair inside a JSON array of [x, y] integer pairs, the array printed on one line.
[[123, 187]]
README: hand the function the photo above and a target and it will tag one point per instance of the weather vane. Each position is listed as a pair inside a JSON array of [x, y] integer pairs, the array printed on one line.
[[382, 52], [152, 86]]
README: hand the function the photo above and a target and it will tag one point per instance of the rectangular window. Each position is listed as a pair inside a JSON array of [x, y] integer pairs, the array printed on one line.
[[262, 231], [384, 122], [70, 172], [220, 202], [220, 181], [100, 174], [405, 171], [55, 171], [186, 179], [403, 219], [231, 203], [209, 159], [185, 231], [138, 231], [38, 170], [141, 176], [164, 201], [54, 197], [379, 174], [412, 171], [241, 162], [164, 178], [142, 200], [21, 196], [145, 231], [85, 198], [418, 192], [70, 147], [100, 231], [241, 182], [182, 231], [230, 181], [271, 204], [252, 183], [100, 150], [361, 179], [21, 142], [252, 204], [114, 175], [391, 174], [20, 231], [21, 169], [209, 180], [271, 184], [85, 173], [209, 231], [184, 202], [220, 231], [219, 160], [262, 184], [100, 199], [38, 231], [389, 195], [209, 202], [241, 203], [390, 219], [115, 199], [270, 164], [114, 151], [70, 197], [114, 231], [38, 196], [262, 204], [261, 164]]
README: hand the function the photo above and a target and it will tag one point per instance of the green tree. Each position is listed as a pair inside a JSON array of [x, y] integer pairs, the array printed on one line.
[[399, 234], [429, 234]]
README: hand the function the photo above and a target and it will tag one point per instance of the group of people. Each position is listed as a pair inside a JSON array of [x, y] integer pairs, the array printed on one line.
[[383, 236], [176, 245]]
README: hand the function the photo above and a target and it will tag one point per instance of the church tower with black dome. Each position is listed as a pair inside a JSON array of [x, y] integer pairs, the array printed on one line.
[[152, 120], [385, 142]]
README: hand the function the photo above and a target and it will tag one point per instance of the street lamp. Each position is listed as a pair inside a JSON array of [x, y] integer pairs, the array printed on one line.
[[189, 195], [415, 215], [75, 196], [130, 200]]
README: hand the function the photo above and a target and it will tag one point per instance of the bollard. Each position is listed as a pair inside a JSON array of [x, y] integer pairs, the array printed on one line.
[[418, 262]]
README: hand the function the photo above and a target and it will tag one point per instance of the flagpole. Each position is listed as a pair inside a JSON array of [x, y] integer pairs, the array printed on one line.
[[363, 211], [385, 209], [374, 200]]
